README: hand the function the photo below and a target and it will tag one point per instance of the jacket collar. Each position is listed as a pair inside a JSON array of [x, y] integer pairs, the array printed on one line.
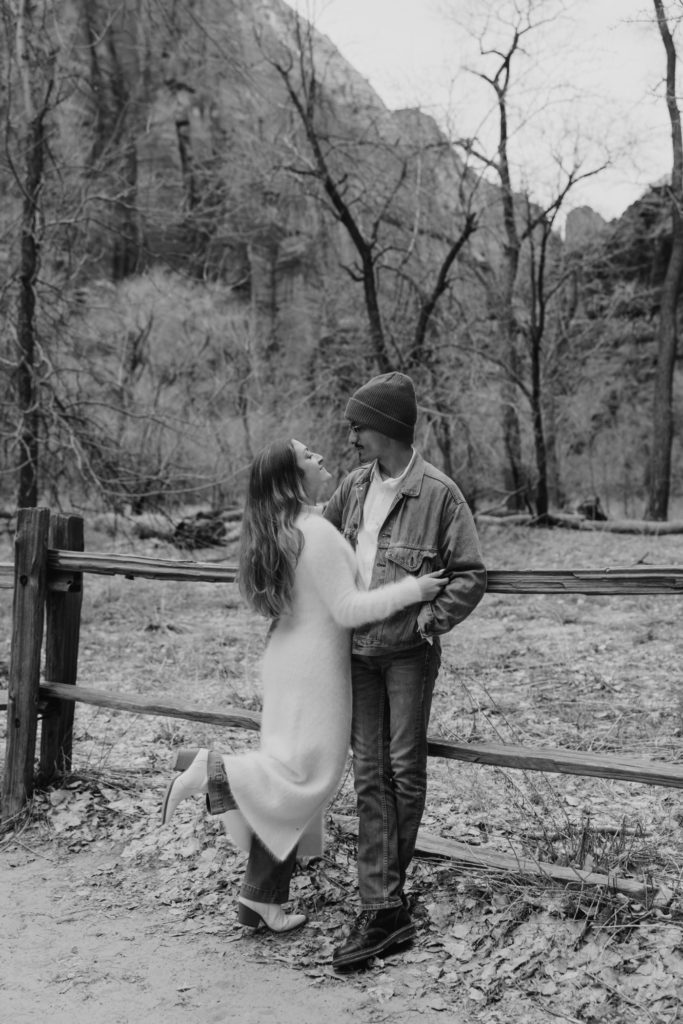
[[412, 484]]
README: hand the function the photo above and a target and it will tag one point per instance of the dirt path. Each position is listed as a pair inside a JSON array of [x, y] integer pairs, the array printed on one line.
[[75, 962], [76, 956]]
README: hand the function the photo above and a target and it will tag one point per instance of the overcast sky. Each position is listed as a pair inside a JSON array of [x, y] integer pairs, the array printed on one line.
[[595, 74]]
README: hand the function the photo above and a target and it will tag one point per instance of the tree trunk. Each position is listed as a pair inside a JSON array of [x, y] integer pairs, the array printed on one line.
[[514, 479], [126, 255], [27, 392], [29, 262], [539, 433], [514, 476], [373, 312], [663, 412], [556, 493], [428, 306], [444, 438], [662, 418], [115, 77]]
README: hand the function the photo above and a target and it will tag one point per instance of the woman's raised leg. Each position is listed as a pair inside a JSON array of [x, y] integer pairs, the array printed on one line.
[[202, 772]]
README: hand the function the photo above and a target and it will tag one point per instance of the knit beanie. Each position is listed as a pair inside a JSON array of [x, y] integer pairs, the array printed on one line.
[[387, 404]]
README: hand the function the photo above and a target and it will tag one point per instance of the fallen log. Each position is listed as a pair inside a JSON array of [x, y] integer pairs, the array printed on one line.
[[515, 865], [639, 526], [569, 521], [512, 864]]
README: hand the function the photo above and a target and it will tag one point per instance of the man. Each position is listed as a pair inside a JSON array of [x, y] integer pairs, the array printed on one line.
[[402, 515]]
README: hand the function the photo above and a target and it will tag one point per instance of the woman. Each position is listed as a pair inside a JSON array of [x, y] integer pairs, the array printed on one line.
[[296, 569]]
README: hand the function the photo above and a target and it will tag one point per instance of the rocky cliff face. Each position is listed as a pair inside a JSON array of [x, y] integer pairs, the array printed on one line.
[[175, 144], [178, 144], [187, 126], [583, 227]]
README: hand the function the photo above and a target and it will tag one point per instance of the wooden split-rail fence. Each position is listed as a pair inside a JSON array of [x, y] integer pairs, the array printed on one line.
[[47, 578]]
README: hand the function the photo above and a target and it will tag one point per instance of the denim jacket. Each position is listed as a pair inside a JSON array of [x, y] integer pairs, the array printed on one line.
[[429, 526]]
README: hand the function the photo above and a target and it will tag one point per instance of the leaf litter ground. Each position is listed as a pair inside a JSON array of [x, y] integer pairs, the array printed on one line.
[[120, 916]]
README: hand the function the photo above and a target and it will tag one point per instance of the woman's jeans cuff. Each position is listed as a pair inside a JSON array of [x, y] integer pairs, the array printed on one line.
[[219, 798], [267, 879]]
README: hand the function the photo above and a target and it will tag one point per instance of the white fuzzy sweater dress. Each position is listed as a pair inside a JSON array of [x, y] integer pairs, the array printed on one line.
[[282, 788]]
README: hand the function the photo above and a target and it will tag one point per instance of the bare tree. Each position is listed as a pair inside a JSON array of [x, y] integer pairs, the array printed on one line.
[[35, 64], [373, 213], [115, 77], [527, 278], [303, 92], [662, 416]]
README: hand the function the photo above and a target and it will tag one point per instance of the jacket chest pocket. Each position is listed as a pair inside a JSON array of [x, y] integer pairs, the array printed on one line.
[[351, 533], [416, 561], [349, 529]]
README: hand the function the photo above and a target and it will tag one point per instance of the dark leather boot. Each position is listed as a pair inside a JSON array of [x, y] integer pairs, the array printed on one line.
[[374, 932]]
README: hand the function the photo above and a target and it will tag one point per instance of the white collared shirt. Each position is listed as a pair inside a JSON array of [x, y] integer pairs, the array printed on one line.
[[378, 500]]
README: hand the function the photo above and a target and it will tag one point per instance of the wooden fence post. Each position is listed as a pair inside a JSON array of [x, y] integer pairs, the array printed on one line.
[[62, 631], [30, 584]]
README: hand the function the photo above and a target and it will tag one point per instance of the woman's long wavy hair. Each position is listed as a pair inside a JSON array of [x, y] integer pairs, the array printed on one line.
[[270, 542]]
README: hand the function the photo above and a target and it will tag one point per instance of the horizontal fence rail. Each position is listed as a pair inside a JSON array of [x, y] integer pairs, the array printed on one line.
[[541, 759], [638, 580], [634, 580], [49, 568], [133, 702], [565, 762], [140, 567]]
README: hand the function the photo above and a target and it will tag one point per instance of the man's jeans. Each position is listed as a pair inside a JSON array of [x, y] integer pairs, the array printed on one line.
[[392, 699]]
